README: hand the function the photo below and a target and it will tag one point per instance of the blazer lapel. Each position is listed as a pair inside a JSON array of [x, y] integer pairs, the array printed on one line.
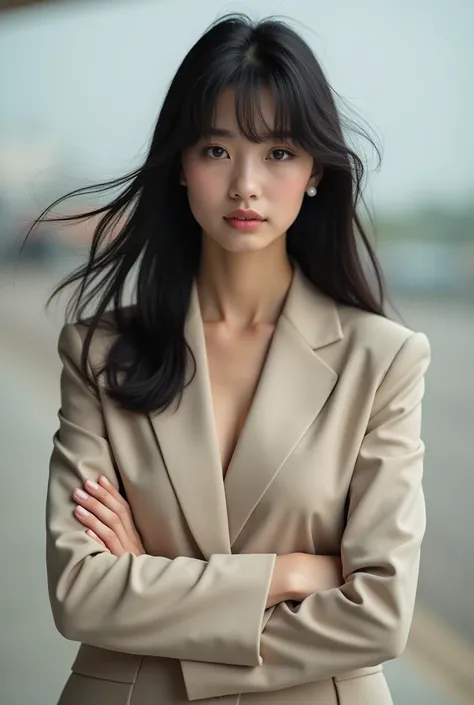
[[292, 390], [188, 442]]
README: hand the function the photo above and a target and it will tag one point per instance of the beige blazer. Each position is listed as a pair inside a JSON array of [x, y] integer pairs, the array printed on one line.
[[329, 462]]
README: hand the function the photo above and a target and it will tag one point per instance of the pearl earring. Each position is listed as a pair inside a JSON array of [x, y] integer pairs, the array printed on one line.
[[311, 191]]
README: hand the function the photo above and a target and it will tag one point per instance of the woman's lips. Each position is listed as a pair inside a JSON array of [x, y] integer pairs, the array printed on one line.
[[245, 224]]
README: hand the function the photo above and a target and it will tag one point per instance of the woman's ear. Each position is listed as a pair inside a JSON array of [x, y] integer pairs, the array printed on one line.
[[316, 176], [182, 175]]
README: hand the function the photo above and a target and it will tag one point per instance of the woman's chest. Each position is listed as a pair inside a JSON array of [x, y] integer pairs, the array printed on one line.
[[297, 503], [287, 428], [235, 363]]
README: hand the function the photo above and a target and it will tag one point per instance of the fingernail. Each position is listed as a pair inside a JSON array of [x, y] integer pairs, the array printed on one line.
[[81, 494], [81, 510], [104, 480], [92, 485]]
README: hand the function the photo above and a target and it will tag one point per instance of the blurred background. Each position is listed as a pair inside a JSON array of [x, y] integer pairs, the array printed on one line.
[[81, 85]]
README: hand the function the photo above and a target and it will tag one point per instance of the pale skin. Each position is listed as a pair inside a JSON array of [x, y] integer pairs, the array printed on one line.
[[242, 284]]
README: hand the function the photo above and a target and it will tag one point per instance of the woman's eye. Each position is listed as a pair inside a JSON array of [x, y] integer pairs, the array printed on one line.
[[282, 155], [215, 152]]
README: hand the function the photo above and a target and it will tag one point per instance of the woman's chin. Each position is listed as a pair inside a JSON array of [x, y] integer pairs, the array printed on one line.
[[243, 242]]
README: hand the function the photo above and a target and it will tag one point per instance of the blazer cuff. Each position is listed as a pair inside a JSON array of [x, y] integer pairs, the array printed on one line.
[[205, 680], [211, 680], [249, 616]]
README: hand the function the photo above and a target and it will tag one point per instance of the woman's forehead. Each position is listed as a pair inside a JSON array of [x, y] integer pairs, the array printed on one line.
[[226, 103], [256, 114]]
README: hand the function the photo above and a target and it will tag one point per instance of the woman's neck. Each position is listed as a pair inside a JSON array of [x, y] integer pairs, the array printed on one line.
[[243, 290]]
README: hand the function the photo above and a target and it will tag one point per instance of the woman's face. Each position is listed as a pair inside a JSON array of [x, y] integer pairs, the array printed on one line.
[[229, 172]]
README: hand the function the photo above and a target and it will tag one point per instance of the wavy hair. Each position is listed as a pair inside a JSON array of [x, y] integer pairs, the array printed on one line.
[[155, 233]]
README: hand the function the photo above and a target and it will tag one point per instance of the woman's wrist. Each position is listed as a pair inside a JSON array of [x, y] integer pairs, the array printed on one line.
[[281, 587], [298, 575], [309, 573], [297, 587]]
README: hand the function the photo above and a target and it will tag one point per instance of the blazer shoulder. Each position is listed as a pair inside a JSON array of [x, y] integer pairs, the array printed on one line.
[[73, 335], [380, 337]]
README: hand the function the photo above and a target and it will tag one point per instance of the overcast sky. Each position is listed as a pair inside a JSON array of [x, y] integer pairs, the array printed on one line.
[[89, 77]]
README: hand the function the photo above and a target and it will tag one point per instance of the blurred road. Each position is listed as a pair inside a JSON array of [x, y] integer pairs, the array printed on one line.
[[436, 669], [448, 431]]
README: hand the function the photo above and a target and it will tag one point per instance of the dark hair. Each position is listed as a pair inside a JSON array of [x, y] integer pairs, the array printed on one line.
[[157, 233]]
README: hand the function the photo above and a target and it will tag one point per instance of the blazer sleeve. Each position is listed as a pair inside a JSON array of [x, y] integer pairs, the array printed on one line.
[[365, 621], [183, 608]]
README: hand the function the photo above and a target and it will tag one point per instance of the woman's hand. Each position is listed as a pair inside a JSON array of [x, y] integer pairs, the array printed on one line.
[[108, 518]]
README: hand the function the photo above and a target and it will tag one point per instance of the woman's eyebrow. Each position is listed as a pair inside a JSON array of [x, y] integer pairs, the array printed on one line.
[[270, 136], [220, 132]]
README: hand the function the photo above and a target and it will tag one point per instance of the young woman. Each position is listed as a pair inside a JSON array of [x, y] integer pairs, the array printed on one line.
[[235, 508]]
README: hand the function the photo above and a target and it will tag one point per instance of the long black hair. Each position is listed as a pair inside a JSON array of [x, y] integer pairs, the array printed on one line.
[[156, 235]]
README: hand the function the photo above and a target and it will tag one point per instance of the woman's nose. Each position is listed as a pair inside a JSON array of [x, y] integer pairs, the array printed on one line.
[[245, 182]]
